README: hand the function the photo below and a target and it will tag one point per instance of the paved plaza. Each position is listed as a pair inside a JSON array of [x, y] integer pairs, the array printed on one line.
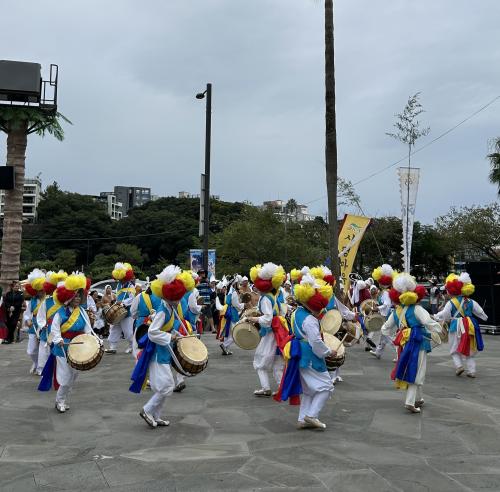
[[223, 438]]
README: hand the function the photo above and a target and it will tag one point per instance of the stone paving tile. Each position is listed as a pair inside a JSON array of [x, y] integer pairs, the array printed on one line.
[[278, 474], [355, 480], [86, 476], [479, 481], [411, 478]]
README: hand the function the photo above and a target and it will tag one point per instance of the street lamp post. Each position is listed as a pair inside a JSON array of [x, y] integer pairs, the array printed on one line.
[[206, 182]]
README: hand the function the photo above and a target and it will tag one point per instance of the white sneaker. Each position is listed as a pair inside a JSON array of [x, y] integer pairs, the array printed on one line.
[[61, 407], [128, 351], [314, 422], [162, 423], [148, 418], [374, 354], [338, 379], [33, 369]]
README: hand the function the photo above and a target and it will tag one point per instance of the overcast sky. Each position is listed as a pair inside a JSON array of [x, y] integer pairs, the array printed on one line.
[[129, 71]]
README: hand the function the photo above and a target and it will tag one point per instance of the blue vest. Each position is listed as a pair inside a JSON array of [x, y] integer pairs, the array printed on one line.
[[264, 330], [162, 353], [34, 302], [231, 315], [188, 314], [332, 304], [49, 302], [414, 324], [307, 356], [143, 310], [467, 307], [79, 325], [124, 295]]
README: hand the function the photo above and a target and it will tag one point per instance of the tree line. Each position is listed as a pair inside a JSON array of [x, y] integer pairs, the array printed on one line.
[[74, 231]]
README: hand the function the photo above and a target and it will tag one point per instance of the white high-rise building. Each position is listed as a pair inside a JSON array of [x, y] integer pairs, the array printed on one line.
[[31, 199]]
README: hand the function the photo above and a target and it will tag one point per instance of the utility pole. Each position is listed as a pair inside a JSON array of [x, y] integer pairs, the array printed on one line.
[[206, 177]]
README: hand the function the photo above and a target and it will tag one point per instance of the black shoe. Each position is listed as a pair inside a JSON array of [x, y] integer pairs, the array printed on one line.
[[367, 349], [224, 351], [180, 387]]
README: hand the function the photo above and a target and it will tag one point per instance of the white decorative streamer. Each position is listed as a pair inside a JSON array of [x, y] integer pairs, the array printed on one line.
[[408, 185]]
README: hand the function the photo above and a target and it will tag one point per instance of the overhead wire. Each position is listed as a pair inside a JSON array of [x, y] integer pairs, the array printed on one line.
[[419, 149]]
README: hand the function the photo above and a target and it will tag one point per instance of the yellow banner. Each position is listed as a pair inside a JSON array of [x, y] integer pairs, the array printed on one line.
[[351, 233]]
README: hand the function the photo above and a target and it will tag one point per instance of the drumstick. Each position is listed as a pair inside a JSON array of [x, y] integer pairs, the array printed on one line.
[[345, 336]]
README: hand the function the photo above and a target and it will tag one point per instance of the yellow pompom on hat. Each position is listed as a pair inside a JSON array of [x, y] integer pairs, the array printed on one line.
[[35, 282], [409, 292], [173, 283], [123, 272], [52, 280], [296, 274], [384, 275], [267, 277], [324, 273], [69, 288], [313, 293]]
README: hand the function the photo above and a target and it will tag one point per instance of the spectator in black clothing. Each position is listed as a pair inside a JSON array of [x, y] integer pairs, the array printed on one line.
[[205, 293], [13, 301]]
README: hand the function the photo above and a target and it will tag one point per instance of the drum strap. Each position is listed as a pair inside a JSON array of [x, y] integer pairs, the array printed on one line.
[[147, 301], [37, 307], [53, 310], [458, 306], [67, 325]]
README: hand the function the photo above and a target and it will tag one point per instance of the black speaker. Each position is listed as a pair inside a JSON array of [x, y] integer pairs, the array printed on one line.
[[20, 81], [488, 297], [7, 178], [483, 272]]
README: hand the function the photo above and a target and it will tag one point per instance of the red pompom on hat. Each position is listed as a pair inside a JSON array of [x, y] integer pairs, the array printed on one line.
[[30, 290], [421, 292], [330, 279], [64, 295], [174, 291], [385, 281], [128, 276], [317, 302], [49, 288], [394, 295], [454, 287], [263, 285]]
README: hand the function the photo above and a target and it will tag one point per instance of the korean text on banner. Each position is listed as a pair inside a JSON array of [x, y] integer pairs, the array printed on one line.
[[351, 233]]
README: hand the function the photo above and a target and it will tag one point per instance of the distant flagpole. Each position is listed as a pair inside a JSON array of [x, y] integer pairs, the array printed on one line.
[[408, 186]]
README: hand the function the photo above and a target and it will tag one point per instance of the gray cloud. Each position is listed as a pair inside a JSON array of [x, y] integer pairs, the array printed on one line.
[[129, 72]]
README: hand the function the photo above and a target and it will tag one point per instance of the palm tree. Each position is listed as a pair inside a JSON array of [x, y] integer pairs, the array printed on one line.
[[18, 123], [331, 138], [494, 158]]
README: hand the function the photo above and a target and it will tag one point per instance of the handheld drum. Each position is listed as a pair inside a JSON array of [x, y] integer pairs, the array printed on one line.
[[192, 355], [374, 322], [85, 352], [350, 332], [115, 313], [333, 343], [331, 322]]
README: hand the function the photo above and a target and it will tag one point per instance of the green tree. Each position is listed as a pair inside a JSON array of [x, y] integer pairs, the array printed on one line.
[[472, 232], [494, 158], [72, 221], [66, 259], [18, 123], [259, 237]]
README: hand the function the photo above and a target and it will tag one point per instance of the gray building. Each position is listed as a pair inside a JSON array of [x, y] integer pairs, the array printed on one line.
[[131, 196]]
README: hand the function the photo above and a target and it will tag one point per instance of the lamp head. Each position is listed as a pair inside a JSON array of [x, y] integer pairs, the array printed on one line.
[[200, 95]]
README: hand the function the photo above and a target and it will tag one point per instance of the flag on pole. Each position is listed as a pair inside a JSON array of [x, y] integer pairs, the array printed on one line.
[[408, 185], [351, 233]]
